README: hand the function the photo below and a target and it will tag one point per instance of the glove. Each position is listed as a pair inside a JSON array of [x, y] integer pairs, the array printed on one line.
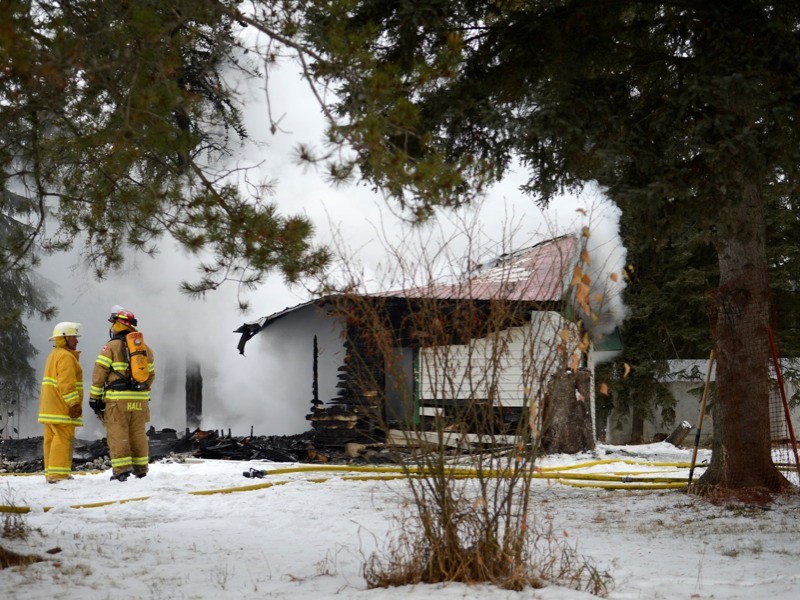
[[75, 410], [98, 405]]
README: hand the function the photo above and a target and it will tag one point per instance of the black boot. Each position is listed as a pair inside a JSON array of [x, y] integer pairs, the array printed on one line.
[[121, 476], [140, 475]]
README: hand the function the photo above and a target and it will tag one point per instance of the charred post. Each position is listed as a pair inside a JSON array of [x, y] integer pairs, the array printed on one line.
[[194, 394]]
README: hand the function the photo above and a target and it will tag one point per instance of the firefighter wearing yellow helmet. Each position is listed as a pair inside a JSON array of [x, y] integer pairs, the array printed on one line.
[[61, 401], [121, 397]]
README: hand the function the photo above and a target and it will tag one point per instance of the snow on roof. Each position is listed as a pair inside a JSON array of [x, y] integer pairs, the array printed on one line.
[[535, 274]]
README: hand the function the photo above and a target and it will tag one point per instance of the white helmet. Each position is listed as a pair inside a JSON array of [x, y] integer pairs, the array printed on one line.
[[66, 328]]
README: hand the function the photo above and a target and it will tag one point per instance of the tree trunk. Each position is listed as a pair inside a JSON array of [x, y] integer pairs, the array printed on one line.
[[637, 426], [740, 316], [567, 426]]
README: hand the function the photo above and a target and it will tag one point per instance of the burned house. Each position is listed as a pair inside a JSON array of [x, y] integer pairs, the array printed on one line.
[[482, 355]]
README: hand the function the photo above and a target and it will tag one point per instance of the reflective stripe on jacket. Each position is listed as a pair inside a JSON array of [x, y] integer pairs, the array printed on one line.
[[111, 365], [62, 386]]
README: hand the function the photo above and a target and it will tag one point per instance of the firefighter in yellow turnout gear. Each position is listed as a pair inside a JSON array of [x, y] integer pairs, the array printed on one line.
[[121, 400], [61, 401]]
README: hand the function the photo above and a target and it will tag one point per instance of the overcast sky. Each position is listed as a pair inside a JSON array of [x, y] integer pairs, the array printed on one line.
[[262, 389]]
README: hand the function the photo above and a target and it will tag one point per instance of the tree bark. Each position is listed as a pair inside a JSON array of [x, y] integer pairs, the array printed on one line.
[[567, 426], [740, 316], [637, 426]]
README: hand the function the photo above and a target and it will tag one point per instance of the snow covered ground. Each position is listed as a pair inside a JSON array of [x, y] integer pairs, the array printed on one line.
[[308, 539]]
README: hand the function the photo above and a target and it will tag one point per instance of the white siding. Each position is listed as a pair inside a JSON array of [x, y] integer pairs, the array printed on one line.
[[507, 367]]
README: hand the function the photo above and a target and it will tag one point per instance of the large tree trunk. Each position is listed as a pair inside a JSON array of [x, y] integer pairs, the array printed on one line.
[[742, 457]]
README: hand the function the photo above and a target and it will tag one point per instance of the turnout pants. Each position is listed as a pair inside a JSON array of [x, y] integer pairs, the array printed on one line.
[[126, 422], [58, 442]]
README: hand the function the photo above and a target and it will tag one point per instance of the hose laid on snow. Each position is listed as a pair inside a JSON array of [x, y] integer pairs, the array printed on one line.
[[561, 474]]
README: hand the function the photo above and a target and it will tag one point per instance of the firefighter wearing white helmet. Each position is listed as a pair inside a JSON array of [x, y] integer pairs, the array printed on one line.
[[120, 399], [61, 401]]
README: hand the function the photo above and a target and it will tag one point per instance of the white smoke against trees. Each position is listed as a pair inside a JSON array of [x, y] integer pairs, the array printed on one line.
[[269, 389]]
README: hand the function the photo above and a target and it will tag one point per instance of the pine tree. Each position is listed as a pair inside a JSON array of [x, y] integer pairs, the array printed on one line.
[[687, 113], [669, 278], [22, 294], [115, 118]]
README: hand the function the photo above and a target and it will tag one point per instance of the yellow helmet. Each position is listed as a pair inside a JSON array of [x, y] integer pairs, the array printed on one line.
[[66, 328]]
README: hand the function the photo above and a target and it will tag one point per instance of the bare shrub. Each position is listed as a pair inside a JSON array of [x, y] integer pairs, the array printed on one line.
[[462, 368], [529, 557], [15, 527], [8, 558]]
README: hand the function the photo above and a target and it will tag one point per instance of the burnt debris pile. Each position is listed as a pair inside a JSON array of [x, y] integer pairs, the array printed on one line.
[[24, 455]]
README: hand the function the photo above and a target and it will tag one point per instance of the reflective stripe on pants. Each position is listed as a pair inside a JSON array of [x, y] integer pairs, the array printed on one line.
[[126, 422], [57, 455]]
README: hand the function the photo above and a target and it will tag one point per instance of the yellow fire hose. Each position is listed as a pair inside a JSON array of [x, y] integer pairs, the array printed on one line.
[[561, 474]]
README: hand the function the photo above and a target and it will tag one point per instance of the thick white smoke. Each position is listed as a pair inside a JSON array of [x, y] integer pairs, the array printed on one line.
[[269, 389], [177, 328]]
